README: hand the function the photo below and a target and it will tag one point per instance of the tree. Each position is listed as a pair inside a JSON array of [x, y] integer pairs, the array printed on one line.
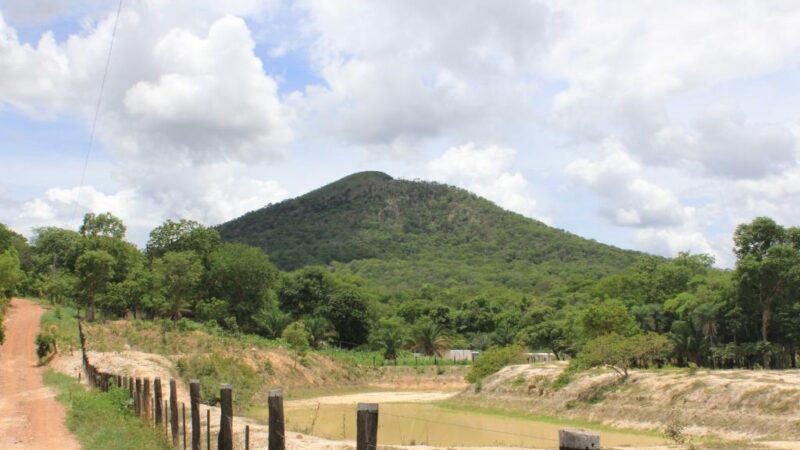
[[620, 353], [106, 225], [182, 235], [551, 334], [767, 269], [390, 337], [301, 292], [60, 287], [348, 311], [270, 321], [10, 273], [610, 316], [297, 337], [177, 276], [95, 269], [242, 275], [430, 338], [320, 330]]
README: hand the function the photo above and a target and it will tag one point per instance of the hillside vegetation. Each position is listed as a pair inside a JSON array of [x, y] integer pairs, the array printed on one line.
[[401, 235]]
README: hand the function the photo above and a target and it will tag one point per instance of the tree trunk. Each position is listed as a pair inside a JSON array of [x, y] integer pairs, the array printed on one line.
[[765, 316]]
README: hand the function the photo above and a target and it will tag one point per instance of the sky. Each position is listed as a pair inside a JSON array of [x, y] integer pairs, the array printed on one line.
[[651, 125]]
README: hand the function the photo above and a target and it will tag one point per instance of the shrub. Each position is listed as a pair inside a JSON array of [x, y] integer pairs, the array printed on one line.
[[493, 360], [216, 369]]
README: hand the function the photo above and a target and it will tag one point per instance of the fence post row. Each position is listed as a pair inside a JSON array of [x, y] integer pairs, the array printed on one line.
[[277, 436], [367, 426], [173, 411], [225, 441]]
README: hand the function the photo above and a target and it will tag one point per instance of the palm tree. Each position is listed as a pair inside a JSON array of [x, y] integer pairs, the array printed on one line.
[[319, 330], [390, 337], [431, 338]]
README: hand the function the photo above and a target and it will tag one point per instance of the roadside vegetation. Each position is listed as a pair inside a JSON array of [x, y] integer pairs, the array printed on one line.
[[103, 420]]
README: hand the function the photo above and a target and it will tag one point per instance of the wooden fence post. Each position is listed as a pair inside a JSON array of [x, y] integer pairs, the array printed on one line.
[[208, 429], [277, 438], [173, 411], [183, 409], [194, 398], [225, 440], [247, 437], [367, 426], [146, 399], [137, 398], [166, 413], [158, 400]]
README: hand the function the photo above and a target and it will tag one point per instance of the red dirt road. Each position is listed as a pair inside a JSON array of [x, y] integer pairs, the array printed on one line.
[[30, 416]]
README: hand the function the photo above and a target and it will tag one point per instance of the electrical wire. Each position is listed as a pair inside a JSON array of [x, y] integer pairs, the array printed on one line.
[[97, 109]]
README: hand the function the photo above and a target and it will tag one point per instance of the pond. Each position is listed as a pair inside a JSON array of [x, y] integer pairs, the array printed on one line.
[[432, 424]]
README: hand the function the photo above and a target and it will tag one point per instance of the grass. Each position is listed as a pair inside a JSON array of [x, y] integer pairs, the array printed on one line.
[[61, 319], [103, 421], [457, 405], [376, 359]]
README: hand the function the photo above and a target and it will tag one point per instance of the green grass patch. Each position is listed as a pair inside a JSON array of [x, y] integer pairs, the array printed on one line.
[[103, 421], [61, 320], [471, 408], [376, 359]]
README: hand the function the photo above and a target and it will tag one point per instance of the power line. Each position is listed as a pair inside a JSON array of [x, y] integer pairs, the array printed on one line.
[[97, 109]]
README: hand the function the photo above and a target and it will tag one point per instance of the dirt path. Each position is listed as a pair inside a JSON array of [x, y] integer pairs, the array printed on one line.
[[30, 416]]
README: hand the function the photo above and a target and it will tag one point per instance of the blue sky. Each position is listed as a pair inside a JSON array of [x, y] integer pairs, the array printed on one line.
[[638, 126]]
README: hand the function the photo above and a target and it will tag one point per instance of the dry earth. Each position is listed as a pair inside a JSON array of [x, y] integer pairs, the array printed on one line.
[[31, 417], [729, 404]]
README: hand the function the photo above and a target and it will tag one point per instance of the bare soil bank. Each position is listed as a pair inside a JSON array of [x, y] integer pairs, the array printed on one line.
[[730, 404]]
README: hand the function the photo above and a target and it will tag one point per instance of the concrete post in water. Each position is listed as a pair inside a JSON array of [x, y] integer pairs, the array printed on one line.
[[173, 411], [158, 400], [194, 394], [574, 439], [225, 441], [367, 426], [277, 436]]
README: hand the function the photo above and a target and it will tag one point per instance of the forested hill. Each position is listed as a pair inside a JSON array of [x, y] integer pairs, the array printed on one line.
[[403, 234]]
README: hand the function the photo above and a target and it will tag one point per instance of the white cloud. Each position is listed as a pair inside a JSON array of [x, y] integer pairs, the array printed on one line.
[[397, 73], [724, 144], [188, 88], [625, 65], [670, 242], [486, 171], [629, 199]]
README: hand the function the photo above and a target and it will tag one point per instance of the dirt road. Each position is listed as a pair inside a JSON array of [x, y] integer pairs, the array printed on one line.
[[30, 416]]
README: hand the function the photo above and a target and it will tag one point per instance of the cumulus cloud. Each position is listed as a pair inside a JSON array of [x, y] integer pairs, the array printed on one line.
[[411, 71], [487, 171], [670, 242], [189, 88], [624, 65], [724, 144], [629, 199]]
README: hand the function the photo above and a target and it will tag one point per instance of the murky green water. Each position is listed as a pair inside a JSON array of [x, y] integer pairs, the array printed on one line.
[[417, 423]]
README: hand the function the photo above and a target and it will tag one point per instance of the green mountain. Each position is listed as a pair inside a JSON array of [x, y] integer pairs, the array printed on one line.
[[400, 235]]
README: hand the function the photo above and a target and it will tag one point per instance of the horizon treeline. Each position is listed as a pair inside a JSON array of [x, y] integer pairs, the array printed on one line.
[[689, 311]]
